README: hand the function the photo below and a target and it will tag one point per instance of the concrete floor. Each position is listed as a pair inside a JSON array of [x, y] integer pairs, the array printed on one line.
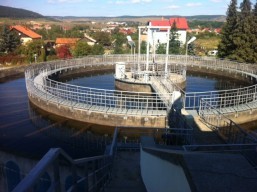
[[126, 173]]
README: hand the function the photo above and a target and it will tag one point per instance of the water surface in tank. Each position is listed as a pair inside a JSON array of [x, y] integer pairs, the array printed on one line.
[[25, 130]]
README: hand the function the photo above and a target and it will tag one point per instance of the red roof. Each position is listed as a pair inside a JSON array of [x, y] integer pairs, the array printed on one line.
[[160, 23], [66, 40], [26, 31], [181, 22]]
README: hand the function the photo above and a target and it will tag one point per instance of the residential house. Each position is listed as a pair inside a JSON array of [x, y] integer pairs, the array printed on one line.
[[208, 30], [71, 42], [25, 33], [36, 25], [195, 31], [217, 31], [125, 31], [89, 40], [160, 35], [116, 24]]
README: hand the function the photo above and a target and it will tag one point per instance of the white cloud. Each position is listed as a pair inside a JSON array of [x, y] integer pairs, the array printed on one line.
[[133, 2], [193, 4], [173, 7]]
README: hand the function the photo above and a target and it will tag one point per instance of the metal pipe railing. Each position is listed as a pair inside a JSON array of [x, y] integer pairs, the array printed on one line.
[[176, 64], [231, 132], [95, 172]]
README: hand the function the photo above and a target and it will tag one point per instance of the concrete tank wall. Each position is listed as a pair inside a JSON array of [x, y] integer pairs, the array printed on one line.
[[219, 73], [13, 71], [130, 86], [100, 118]]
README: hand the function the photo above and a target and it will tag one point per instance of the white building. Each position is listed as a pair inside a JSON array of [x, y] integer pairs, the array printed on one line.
[[160, 36]]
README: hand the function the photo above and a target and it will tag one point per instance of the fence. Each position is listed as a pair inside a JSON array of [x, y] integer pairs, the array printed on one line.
[[226, 128], [39, 85]]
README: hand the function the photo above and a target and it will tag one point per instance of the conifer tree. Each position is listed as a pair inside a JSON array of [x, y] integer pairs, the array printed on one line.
[[255, 10], [227, 46], [244, 35], [174, 44], [9, 41], [254, 31]]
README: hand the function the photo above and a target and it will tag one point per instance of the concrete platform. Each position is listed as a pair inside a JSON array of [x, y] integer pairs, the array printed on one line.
[[214, 172], [126, 173]]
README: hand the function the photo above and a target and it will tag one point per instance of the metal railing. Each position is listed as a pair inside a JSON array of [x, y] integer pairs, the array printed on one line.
[[223, 98], [85, 97], [192, 99], [88, 174], [75, 96], [229, 131], [94, 173], [39, 85]]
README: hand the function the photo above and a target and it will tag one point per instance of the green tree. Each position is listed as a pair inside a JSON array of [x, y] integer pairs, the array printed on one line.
[[42, 56], [255, 10], [53, 33], [116, 30], [34, 50], [9, 40], [82, 49], [73, 33], [143, 47], [161, 49], [243, 37], [120, 39], [174, 44], [191, 46], [227, 46], [102, 38], [254, 31], [97, 50]]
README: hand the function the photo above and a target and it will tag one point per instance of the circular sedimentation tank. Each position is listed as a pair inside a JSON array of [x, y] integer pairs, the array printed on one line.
[[19, 122]]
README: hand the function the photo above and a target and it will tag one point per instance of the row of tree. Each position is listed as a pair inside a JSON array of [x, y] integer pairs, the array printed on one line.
[[239, 35], [37, 50]]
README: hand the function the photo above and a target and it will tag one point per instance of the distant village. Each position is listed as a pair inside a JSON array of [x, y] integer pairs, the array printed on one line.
[[30, 31], [123, 29]]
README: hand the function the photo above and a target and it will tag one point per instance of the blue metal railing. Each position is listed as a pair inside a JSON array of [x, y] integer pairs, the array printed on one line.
[[89, 174]]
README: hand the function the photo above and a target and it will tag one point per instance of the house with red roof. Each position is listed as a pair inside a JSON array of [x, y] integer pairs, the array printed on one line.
[[71, 42], [160, 36], [25, 33], [217, 31]]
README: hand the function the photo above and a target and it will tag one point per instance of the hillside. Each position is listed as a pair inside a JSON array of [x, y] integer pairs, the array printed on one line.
[[142, 19], [10, 12], [17, 13]]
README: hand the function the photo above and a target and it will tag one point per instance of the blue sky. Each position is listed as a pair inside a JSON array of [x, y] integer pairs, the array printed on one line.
[[121, 7]]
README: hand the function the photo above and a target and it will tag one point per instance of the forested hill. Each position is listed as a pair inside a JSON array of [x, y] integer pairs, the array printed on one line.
[[219, 18], [11, 12]]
